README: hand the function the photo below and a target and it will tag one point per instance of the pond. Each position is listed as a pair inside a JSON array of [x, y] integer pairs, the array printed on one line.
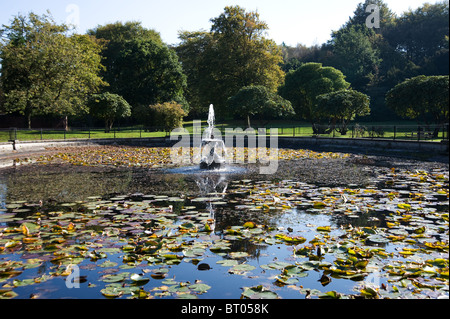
[[108, 231]]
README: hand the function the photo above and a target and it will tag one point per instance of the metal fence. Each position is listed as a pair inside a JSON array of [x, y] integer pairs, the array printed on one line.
[[431, 133]]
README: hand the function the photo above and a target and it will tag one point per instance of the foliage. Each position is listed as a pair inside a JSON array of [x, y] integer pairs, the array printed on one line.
[[343, 106], [387, 17], [118, 33], [168, 115], [304, 85], [419, 34], [234, 54], [375, 60], [139, 66], [421, 97], [259, 102], [108, 107], [46, 71], [356, 56], [195, 50]]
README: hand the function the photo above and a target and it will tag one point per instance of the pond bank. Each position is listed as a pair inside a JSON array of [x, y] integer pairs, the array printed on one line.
[[427, 151]]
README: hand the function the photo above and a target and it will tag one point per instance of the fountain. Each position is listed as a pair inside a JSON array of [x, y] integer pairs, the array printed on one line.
[[213, 151]]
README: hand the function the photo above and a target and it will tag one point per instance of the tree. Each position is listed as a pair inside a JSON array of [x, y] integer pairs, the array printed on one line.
[[195, 51], [118, 33], [360, 15], [234, 54], [422, 97], [169, 115], [139, 66], [108, 107], [341, 107], [46, 71], [261, 103], [356, 56], [304, 85], [419, 34]]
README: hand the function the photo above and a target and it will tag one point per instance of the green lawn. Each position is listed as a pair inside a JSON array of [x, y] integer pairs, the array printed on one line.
[[389, 130]]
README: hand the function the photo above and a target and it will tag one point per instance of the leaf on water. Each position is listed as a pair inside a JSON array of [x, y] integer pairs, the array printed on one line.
[[139, 279], [241, 269], [249, 225], [258, 292], [199, 288], [228, 262], [238, 254], [108, 264], [330, 295]]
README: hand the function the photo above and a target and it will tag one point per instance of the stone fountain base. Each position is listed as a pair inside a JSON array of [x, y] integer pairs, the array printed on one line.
[[212, 166]]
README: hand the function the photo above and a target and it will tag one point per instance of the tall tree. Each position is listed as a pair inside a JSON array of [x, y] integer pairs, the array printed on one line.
[[304, 85], [236, 55], [139, 66], [356, 56], [45, 70], [361, 15], [195, 51], [419, 34]]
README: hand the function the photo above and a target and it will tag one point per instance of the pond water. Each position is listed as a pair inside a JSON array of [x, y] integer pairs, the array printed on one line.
[[69, 232]]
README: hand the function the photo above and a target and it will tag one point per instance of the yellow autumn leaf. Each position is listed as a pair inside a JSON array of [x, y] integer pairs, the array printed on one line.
[[25, 230], [319, 205], [324, 228]]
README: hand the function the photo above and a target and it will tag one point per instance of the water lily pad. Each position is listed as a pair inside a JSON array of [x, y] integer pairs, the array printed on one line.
[[238, 254], [115, 278], [139, 279], [377, 239], [228, 262], [242, 268], [258, 292], [199, 288]]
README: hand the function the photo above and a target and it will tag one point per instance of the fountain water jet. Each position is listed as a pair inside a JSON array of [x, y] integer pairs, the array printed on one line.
[[213, 151]]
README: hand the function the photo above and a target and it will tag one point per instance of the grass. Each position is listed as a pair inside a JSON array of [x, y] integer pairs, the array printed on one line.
[[388, 130]]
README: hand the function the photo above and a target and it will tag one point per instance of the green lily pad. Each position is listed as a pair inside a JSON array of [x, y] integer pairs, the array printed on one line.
[[258, 292], [199, 288], [228, 262], [240, 269]]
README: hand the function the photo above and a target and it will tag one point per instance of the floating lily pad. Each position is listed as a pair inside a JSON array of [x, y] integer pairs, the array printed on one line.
[[259, 292]]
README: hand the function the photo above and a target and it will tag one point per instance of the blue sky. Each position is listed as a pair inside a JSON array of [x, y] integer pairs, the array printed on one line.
[[290, 21]]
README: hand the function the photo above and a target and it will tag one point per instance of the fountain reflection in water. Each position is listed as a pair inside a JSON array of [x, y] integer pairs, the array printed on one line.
[[213, 187]]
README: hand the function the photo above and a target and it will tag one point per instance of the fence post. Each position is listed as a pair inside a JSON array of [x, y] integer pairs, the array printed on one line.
[[64, 133], [395, 131], [418, 134]]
